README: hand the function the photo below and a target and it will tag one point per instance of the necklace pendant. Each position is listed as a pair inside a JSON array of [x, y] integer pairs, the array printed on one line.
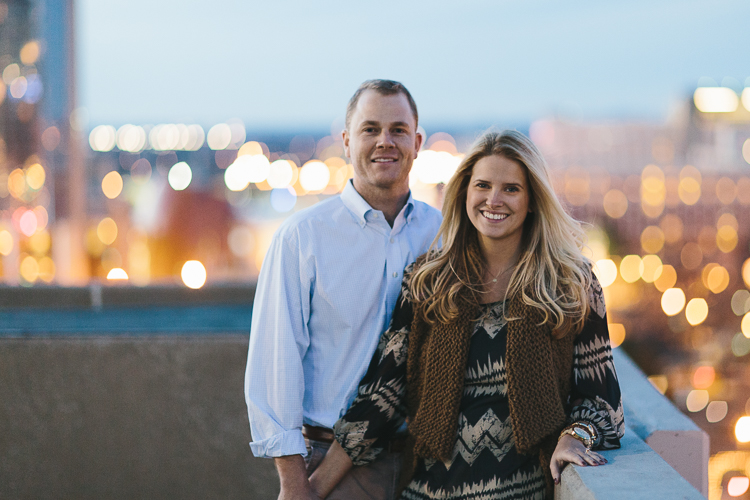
[[494, 280]]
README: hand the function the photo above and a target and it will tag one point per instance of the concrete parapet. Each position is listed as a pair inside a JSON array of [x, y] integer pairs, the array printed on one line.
[[146, 416], [670, 433], [124, 418], [634, 471], [96, 296]]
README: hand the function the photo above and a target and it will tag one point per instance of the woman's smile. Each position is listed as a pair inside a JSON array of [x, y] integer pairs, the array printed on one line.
[[493, 216]]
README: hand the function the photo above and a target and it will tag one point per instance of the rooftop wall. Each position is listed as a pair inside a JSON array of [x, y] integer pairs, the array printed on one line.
[[117, 411], [124, 418]]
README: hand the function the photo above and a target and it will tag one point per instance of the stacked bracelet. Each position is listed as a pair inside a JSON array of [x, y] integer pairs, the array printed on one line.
[[583, 432], [590, 428]]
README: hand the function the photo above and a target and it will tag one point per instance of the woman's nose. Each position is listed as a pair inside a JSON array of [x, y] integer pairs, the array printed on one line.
[[495, 199]]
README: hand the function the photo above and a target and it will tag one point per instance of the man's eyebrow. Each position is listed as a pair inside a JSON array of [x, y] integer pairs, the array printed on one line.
[[369, 123]]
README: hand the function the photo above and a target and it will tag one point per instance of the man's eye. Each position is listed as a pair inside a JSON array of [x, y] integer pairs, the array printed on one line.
[[399, 131]]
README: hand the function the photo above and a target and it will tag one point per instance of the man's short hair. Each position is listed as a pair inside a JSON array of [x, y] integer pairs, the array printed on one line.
[[382, 87]]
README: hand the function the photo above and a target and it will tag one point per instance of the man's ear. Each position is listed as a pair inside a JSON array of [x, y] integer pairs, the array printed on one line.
[[345, 137], [418, 141]]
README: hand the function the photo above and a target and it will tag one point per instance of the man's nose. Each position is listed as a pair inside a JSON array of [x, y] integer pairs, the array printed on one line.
[[385, 139]]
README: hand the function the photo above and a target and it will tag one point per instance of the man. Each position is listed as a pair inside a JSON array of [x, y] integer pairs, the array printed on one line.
[[326, 292]]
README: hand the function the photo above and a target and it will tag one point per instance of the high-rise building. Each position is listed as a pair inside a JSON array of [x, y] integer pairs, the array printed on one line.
[[60, 125], [24, 198]]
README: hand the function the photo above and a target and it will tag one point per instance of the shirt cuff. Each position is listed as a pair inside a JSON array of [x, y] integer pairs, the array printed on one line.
[[283, 444]]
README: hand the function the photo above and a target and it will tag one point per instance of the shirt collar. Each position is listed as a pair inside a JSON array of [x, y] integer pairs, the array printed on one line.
[[359, 207]]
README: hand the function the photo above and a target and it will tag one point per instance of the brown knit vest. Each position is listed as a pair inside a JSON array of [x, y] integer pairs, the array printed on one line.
[[539, 371]]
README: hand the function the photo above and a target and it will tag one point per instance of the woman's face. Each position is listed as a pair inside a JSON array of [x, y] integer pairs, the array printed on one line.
[[497, 200]]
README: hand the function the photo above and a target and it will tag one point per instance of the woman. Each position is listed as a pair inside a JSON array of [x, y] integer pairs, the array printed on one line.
[[498, 354]]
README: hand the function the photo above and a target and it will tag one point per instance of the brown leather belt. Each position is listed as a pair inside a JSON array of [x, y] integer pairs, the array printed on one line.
[[317, 433], [325, 435]]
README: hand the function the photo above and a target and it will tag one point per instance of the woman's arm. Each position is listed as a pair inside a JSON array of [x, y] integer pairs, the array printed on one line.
[[595, 392], [331, 471]]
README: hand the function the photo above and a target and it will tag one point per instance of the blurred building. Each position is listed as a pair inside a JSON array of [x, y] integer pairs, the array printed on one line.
[[24, 198], [59, 128]]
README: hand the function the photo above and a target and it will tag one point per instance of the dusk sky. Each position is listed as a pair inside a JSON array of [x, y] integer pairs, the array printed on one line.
[[292, 64]]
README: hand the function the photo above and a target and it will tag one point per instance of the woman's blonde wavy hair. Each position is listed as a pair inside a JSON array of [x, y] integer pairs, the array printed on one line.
[[552, 274]]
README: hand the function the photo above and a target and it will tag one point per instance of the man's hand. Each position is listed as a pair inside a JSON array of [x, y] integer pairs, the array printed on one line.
[[571, 450], [293, 477]]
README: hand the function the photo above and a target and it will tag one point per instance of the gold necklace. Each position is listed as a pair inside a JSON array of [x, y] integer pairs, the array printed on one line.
[[494, 280]]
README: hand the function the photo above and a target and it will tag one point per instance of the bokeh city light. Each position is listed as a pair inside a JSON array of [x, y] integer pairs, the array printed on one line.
[[742, 429], [193, 274], [117, 273], [738, 486]]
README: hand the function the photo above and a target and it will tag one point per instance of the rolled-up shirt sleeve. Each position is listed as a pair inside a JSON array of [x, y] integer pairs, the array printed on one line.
[[279, 339]]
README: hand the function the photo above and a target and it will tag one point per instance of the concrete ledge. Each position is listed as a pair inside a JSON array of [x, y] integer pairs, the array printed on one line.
[[661, 425], [164, 417], [97, 296], [123, 418], [634, 471]]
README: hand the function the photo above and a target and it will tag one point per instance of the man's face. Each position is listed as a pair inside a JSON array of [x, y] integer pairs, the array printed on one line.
[[382, 142]]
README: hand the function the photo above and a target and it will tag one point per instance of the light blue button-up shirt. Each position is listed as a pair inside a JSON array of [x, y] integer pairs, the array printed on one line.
[[325, 293]]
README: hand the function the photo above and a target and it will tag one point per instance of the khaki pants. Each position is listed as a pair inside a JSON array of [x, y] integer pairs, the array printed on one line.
[[376, 481]]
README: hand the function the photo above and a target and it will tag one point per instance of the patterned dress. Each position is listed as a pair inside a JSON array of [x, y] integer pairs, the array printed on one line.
[[485, 464]]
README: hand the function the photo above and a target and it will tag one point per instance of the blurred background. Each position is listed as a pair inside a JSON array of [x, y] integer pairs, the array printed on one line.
[[153, 148]]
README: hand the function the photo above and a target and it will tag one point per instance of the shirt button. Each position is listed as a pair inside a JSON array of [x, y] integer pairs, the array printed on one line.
[[391, 240], [395, 274], [374, 216]]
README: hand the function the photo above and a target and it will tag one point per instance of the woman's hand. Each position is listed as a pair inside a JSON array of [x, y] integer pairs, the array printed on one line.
[[331, 471], [571, 450]]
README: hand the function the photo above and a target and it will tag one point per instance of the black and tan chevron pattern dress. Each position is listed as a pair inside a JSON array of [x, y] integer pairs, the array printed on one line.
[[485, 464]]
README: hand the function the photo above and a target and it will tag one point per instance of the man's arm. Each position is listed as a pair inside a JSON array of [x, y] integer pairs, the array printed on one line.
[[293, 478], [274, 378]]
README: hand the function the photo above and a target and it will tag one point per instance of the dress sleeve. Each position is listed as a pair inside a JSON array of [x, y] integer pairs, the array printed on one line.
[[595, 393], [379, 409]]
